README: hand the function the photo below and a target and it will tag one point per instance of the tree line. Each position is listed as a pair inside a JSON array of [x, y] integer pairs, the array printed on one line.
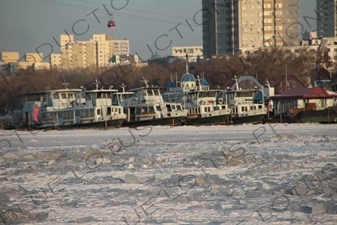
[[219, 71]]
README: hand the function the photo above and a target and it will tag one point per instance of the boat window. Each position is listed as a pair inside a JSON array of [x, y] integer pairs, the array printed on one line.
[[82, 112], [156, 92], [98, 112], [119, 111], [109, 111], [138, 110], [144, 110], [64, 96], [87, 112], [173, 107], [149, 92], [178, 107], [207, 94], [166, 98], [251, 107], [223, 107], [67, 114], [254, 106], [115, 100], [56, 96], [168, 108], [158, 108], [91, 112], [99, 95], [151, 109], [216, 108], [231, 96], [245, 94], [242, 108], [260, 106], [70, 95]]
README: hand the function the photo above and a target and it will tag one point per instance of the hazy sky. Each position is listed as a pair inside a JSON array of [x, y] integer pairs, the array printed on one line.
[[25, 25]]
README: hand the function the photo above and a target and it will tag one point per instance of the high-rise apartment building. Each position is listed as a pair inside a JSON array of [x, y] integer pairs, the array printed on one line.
[[326, 18], [96, 52], [229, 25], [281, 22]]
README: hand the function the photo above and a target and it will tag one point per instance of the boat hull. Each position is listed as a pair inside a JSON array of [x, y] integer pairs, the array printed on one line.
[[156, 122], [212, 120], [322, 119], [99, 125], [248, 119]]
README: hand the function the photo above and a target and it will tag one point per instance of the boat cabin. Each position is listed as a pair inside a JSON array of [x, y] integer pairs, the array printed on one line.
[[243, 102], [146, 103], [145, 95]]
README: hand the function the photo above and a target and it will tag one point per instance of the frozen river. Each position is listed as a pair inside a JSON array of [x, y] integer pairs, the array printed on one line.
[[164, 133], [246, 174]]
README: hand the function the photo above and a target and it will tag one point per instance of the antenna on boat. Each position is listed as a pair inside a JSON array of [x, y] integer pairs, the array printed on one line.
[[123, 87], [96, 83], [198, 83], [65, 84], [236, 83], [186, 63], [145, 81], [267, 82]]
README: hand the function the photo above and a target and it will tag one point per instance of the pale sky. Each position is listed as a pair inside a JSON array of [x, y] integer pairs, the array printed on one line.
[[27, 24]]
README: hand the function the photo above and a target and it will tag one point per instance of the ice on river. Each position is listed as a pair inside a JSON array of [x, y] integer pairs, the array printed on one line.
[[246, 174]]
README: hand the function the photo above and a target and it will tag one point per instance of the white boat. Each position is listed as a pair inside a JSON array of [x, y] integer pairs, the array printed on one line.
[[246, 105], [69, 108], [200, 101], [145, 106]]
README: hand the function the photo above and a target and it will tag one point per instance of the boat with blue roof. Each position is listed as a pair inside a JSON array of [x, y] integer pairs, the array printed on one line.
[[202, 103], [246, 105]]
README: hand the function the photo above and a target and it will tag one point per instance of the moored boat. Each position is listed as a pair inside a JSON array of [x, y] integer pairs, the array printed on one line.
[[246, 105], [68, 108], [145, 106], [200, 101]]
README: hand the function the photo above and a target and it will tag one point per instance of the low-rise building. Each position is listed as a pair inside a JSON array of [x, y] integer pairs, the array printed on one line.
[[12, 63], [191, 51], [8, 57], [303, 99]]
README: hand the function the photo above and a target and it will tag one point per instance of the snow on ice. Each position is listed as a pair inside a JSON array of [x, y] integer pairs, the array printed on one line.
[[247, 174]]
